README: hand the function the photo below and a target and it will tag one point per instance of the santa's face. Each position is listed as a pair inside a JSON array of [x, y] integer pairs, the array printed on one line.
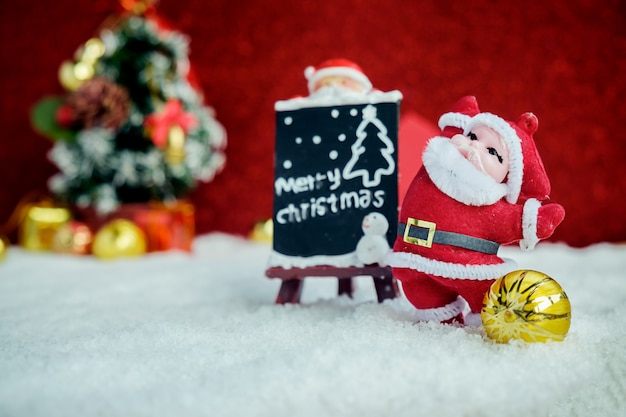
[[486, 150], [338, 83]]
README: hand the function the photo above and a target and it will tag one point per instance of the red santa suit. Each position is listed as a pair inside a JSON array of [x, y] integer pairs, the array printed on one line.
[[454, 217]]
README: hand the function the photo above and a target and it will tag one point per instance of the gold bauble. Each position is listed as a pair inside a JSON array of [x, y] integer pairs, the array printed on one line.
[[73, 75], [92, 51], [526, 305], [263, 232], [119, 238], [73, 237], [67, 78], [84, 71], [4, 246]]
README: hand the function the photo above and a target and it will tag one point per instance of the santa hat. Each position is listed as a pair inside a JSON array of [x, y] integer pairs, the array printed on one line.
[[527, 177], [337, 67]]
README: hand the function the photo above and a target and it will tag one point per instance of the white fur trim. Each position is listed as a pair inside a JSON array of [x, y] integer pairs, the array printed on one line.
[[286, 261], [514, 144], [449, 269], [529, 224], [373, 97], [456, 177], [472, 319], [444, 313], [313, 76], [459, 120]]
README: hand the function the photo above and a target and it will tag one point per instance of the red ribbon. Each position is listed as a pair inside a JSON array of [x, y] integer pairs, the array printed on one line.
[[159, 124]]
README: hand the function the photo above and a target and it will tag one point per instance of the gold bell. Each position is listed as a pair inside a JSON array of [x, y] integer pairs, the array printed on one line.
[[175, 148]]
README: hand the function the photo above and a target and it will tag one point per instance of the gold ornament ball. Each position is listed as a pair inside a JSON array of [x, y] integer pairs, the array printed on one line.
[[4, 246], [73, 74], [526, 305], [263, 232], [93, 50], [119, 238], [67, 77]]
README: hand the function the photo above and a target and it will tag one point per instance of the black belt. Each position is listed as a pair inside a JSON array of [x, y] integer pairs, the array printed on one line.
[[424, 233]]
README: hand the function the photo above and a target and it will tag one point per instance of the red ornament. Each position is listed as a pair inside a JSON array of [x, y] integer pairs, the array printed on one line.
[[65, 116], [173, 114]]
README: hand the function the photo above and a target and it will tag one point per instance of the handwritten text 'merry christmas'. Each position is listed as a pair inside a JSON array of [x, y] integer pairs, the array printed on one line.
[[322, 205]]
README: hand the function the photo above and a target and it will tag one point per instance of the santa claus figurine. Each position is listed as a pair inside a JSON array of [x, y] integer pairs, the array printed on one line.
[[336, 77], [482, 185]]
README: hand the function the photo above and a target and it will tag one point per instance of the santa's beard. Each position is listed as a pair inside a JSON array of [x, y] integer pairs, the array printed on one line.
[[457, 177], [472, 154]]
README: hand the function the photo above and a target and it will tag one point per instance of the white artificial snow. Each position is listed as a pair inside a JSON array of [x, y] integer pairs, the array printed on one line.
[[322, 100], [176, 334], [277, 259]]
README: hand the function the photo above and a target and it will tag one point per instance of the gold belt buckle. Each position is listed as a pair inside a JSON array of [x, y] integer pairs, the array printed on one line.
[[428, 242]]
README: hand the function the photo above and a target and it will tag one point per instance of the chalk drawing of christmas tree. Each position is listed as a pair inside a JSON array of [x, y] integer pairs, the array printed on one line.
[[373, 133]]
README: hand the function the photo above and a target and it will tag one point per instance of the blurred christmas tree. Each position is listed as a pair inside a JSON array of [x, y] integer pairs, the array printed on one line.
[[133, 127]]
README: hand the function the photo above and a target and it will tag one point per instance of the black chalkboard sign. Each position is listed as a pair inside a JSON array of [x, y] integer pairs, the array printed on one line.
[[334, 164]]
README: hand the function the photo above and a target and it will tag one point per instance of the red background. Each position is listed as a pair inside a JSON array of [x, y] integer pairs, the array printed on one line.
[[564, 60]]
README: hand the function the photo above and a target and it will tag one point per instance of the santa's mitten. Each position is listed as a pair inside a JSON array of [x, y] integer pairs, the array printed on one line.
[[539, 222], [548, 218]]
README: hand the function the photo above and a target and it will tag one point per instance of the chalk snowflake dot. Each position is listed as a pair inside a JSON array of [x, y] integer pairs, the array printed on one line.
[[334, 113], [342, 137], [288, 120], [287, 164], [333, 155], [354, 112], [298, 140], [317, 140]]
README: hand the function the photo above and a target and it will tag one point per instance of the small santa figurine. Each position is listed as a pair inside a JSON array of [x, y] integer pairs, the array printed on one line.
[[336, 77], [482, 185]]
